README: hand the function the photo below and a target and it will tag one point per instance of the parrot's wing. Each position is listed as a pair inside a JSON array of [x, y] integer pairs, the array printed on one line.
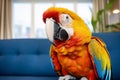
[[55, 60], [100, 58]]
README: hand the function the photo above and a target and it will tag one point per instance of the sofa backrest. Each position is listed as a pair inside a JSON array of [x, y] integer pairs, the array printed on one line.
[[25, 57]]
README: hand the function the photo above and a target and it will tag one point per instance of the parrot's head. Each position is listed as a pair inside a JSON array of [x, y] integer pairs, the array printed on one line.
[[63, 25]]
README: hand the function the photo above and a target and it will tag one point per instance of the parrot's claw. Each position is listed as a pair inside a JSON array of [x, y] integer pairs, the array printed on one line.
[[83, 78], [67, 77]]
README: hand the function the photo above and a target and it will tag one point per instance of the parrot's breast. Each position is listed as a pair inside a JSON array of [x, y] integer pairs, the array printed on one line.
[[75, 60]]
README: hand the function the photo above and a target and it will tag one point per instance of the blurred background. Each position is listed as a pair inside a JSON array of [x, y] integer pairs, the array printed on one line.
[[23, 18]]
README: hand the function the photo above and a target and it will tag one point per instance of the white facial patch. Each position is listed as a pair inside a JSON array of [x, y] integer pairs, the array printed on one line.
[[66, 24], [65, 19]]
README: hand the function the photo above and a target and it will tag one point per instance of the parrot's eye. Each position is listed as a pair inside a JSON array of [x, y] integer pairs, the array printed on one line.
[[65, 19]]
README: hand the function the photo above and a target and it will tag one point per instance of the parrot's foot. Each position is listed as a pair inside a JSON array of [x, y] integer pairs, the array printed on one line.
[[67, 77], [83, 78]]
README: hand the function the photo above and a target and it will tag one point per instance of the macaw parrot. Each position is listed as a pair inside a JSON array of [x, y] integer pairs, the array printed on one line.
[[74, 52]]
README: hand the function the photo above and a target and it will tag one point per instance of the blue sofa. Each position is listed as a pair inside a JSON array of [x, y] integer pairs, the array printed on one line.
[[28, 59]]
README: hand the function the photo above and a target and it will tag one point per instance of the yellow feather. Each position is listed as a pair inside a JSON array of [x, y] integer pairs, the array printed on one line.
[[98, 49]]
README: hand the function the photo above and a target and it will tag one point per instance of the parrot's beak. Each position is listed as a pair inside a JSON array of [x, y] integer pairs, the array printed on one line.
[[55, 31]]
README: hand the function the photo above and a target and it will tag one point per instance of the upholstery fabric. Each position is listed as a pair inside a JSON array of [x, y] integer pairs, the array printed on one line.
[[25, 57]]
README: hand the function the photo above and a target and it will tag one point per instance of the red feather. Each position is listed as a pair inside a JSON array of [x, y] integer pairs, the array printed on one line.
[[51, 14]]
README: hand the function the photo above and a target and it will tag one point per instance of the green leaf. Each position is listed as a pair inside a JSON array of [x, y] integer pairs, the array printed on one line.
[[117, 25], [94, 23], [113, 25], [109, 5], [99, 15]]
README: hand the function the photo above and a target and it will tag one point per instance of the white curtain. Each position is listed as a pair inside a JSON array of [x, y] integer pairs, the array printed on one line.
[[5, 19]]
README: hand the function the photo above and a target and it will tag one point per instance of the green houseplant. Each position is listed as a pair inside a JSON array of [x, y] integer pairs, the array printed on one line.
[[98, 19]]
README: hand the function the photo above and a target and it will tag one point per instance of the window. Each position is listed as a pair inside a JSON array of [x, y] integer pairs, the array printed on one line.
[[27, 17], [83, 9], [39, 26], [69, 5], [21, 20]]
